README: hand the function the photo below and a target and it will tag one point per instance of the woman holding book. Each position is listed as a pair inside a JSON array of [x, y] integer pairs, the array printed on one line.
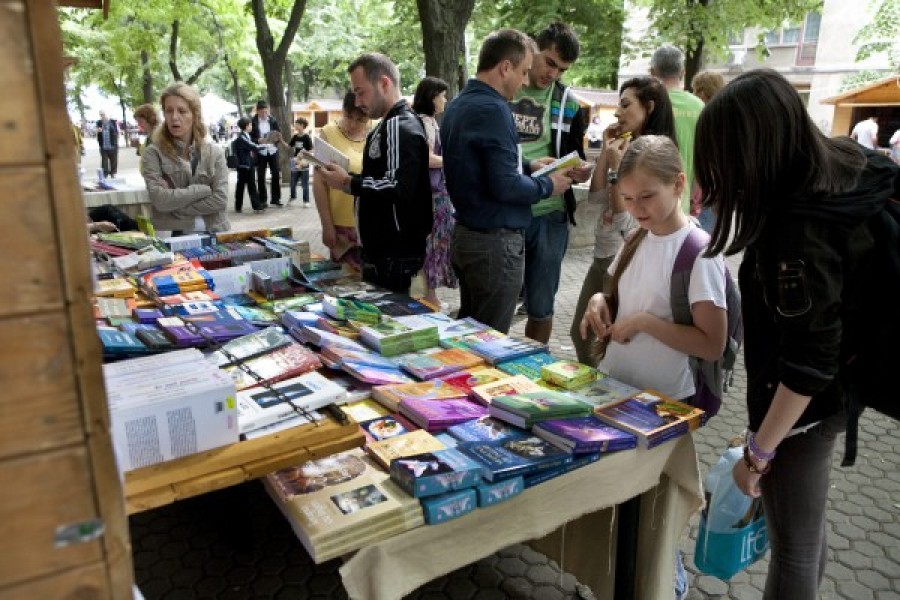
[[644, 108], [428, 102], [335, 207], [800, 206], [186, 176]]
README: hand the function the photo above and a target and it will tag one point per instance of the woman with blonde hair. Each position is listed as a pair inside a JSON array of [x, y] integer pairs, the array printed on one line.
[[186, 177]]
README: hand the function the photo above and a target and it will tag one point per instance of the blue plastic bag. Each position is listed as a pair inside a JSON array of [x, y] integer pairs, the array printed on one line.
[[732, 532]]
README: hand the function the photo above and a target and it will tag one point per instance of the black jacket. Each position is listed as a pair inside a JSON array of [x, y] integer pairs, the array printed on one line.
[[798, 285], [245, 150], [254, 127], [393, 192]]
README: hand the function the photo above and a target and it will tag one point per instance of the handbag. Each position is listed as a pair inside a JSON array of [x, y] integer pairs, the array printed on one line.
[[732, 533]]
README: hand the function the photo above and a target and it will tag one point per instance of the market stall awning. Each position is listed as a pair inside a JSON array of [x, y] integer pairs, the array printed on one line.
[[885, 92], [104, 4]]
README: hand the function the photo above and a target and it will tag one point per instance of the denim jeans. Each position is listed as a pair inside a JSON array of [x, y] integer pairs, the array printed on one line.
[[546, 240], [795, 494], [490, 267], [303, 177]]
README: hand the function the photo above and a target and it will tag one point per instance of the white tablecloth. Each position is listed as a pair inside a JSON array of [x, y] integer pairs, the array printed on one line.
[[133, 201], [567, 512]]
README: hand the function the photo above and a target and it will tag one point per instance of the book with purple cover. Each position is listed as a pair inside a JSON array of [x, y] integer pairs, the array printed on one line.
[[181, 336], [437, 415], [225, 331], [584, 434], [486, 429], [633, 415]]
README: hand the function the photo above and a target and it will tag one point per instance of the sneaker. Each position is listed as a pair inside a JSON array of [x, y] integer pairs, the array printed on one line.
[[277, 203], [306, 204], [522, 310]]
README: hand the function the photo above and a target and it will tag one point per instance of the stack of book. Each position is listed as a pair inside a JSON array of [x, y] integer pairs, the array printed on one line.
[[529, 366], [468, 379], [584, 434], [342, 503], [260, 407], [349, 309], [438, 362], [390, 396], [524, 410], [507, 458], [508, 386], [407, 444], [486, 429], [186, 407], [641, 418], [438, 415], [391, 337], [568, 374]]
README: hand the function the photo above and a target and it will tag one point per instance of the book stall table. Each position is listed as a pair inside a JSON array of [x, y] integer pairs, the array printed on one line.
[[571, 519], [134, 202], [163, 483]]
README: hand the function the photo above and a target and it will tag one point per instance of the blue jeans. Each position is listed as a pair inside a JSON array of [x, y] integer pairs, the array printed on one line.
[[707, 219], [546, 240], [303, 177], [489, 266]]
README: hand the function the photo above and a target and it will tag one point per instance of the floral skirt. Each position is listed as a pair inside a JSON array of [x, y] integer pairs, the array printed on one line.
[[438, 270]]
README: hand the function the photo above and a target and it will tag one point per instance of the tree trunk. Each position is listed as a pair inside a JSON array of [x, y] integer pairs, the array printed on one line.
[[443, 38], [146, 78], [290, 89], [307, 82], [693, 63], [173, 52], [237, 90], [273, 60]]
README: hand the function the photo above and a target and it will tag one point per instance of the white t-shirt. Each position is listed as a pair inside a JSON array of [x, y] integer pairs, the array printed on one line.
[[866, 133], [645, 362]]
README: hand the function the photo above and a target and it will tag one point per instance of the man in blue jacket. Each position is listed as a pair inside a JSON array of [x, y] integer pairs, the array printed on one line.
[[488, 184]]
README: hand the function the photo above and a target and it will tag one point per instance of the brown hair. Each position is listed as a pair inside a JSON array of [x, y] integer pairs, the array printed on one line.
[[505, 44], [658, 156], [149, 114], [161, 137], [707, 84]]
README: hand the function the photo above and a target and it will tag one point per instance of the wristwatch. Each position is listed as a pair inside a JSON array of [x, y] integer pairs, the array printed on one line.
[[612, 177]]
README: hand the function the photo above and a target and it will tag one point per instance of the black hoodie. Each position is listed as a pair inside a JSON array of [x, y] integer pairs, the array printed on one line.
[[799, 284]]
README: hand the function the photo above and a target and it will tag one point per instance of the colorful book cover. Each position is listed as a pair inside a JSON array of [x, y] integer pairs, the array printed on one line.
[[283, 363], [225, 331], [584, 434], [517, 384], [437, 415], [257, 315], [508, 348], [604, 390], [251, 345], [337, 355], [529, 366], [446, 507], [667, 407], [282, 305], [120, 343], [407, 444], [486, 429], [354, 389], [259, 407], [495, 493], [437, 364], [382, 428], [348, 308], [364, 410], [568, 374], [466, 380], [467, 340], [433, 473], [374, 374], [391, 395], [532, 407], [633, 415], [514, 457]]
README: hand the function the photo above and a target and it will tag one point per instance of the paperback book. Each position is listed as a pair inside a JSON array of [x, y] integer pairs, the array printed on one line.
[[374, 374], [529, 366], [259, 407], [364, 410], [468, 379], [514, 457], [585, 434], [633, 415], [391, 396], [441, 362], [437, 415], [249, 346], [348, 308], [524, 410], [449, 506], [568, 374], [283, 363], [384, 427], [486, 429], [667, 408], [508, 348], [433, 473], [517, 384], [500, 491], [605, 390], [400, 446]]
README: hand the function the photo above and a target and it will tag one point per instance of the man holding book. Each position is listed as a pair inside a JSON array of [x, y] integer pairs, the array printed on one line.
[[488, 186], [550, 122], [393, 192]]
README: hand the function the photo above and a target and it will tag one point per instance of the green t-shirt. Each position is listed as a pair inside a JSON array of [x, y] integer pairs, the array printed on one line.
[[686, 109], [531, 111]]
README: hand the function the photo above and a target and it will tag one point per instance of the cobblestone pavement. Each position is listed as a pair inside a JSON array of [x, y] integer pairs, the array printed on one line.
[[235, 544]]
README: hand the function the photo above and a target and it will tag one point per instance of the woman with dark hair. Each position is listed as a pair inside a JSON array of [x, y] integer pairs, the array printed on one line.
[[802, 207], [186, 177], [428, 102], [335, 206], [644, 109]]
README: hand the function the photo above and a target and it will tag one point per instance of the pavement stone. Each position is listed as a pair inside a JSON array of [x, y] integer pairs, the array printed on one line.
[[235, 544]]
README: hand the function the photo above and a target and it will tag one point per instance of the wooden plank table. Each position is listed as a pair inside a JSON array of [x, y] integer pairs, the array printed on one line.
[[164, 483]]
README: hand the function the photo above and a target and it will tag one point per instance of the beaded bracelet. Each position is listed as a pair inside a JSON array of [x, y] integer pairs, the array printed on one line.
[[757, 452], [752, 467]]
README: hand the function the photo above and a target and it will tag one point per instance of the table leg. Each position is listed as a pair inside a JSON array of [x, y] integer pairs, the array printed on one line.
[[626, 548]]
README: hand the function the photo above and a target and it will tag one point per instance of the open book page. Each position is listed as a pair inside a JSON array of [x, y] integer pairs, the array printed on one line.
[[327, 153], [569, 161]]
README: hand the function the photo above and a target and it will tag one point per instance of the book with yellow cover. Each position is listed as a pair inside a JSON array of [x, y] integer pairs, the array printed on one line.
[[408, 444], [517, 384]]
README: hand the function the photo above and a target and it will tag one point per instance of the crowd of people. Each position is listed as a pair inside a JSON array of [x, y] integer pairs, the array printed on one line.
[[451, 191]]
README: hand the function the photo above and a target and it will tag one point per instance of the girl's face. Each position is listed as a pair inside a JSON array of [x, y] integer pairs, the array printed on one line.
[[440, 101], [355, 123], [631, 114], [654, 204], [179, 118], [248, 126]]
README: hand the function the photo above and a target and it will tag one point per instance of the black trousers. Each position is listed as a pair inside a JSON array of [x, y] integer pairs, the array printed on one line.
[[245, 179], [391, 273], [271, 161], [109, 160]]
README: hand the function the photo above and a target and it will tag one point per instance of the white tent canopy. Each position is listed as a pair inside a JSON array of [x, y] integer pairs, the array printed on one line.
[[214, 107]]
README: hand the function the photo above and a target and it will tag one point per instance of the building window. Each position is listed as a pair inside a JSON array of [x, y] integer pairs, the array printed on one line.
[[806, 51]]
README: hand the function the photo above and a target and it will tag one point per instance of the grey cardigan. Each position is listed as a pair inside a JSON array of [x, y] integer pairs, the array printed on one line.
[[203, 193]]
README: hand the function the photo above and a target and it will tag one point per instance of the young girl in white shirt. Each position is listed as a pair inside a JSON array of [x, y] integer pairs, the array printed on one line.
[[638, 342]]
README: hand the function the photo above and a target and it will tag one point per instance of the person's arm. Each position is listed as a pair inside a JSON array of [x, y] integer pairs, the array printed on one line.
[[163, 196], [217, 200], [405, 152], [704, 339], [498, 151], [323, 205], [434, 161]]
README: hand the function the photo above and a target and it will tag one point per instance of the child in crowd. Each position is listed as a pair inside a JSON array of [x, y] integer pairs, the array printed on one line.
[[299, 167], [644, 109], [245, 150]]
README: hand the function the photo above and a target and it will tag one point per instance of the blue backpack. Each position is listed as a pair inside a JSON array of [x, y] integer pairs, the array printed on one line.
[[711, 378]]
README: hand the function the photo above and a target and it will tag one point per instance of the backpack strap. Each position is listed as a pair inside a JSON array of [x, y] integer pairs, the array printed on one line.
[[693, 244]]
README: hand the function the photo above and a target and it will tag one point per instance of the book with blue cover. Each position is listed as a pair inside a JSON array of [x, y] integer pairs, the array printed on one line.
[[514, 457], [500, 491], [529, 366], [642, 420], [486, 429], [584, 434], [120, 344], [508, 348], [433, 473], [449, 506]]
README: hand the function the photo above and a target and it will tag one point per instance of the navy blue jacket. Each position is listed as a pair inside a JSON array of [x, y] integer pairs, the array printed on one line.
[[482, 164]]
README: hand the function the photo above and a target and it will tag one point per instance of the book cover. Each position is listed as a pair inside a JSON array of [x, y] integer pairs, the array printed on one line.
[[510, 458], [508, 386], [390, 396], [256, 315], [384, 427], [374, 374], [584, 434], [283, 363], [466, 380], [495, 493], [120, 343], [633, 415], [364, 410], [563, 163], [499, 350], [533, 407], [529, 366], [251, 345], [604, 390], [449, 506], [486, 429], [407, 444], [354, 389], [467, 340], [433, 473], [348, 308], [258, 407], [437, 415], [437, 364], [568, 374], [667, 407]]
